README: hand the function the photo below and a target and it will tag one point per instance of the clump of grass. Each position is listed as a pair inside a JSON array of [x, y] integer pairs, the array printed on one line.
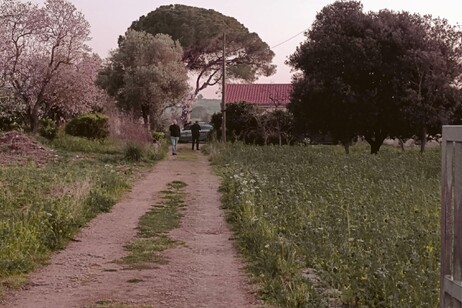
[[188, 155], [152, 237], [133, 152], [157, 151], [137, 153]]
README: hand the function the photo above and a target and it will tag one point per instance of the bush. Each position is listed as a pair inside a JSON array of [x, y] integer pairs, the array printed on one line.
[[89, 125], [156, 151], [133, 152], [48, 129], [158, 136]]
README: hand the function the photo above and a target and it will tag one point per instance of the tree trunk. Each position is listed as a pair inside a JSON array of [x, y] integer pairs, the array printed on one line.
[[423, 139], [145, 114], [346, 142], [375, 147], [347, 148], [187, 106], [401, 144], [34, 119], [375, 142]]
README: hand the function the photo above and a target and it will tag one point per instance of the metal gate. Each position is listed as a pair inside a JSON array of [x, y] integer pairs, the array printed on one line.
[[451, 218]]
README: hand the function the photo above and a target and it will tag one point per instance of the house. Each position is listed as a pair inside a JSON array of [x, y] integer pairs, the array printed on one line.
[[269, 96]]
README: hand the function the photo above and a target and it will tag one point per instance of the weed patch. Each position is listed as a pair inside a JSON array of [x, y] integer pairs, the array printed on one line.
[[152, 237], [111, 304], [69, 143], [187, 155]]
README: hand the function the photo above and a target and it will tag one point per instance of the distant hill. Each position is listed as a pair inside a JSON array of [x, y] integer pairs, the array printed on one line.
[[203, 109], [212, 105]]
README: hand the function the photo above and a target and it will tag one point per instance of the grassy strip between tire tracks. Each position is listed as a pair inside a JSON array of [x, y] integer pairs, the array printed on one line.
[[152, 237], [109, 304]]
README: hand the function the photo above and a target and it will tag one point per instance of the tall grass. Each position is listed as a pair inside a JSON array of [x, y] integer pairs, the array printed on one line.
[[41, 208], [318, 225], [78, 144]]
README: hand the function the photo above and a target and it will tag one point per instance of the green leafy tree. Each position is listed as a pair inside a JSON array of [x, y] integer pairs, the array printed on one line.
[[146, 75], [335, 91], [200, 32], [283, 125], [248, 123], [430, 69], [241, 121], [375, 74], [217, 121]]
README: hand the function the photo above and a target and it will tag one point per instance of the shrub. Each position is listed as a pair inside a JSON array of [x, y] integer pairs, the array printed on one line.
[[156, 151], [89, 125], [127, 129], [48, 129], [133, 152], [99, 201], [158, 136], [12, 112]]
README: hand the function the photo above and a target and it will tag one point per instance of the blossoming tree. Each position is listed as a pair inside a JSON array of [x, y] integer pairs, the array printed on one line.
[[44, 58]]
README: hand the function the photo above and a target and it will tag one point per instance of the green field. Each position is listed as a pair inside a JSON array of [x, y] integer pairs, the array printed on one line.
[[319, 227]]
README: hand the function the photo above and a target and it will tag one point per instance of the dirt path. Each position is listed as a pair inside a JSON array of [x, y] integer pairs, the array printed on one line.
[[205, 272]]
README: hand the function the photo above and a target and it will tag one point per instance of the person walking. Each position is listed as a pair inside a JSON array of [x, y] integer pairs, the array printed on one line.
[[196, 133], [174, 135]]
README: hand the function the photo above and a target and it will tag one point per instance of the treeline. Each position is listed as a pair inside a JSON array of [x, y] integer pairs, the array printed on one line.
[[370, 74], [48, 74], [248, 123]]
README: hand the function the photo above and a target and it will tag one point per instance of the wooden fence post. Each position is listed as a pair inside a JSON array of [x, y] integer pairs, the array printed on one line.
[[451, 218]]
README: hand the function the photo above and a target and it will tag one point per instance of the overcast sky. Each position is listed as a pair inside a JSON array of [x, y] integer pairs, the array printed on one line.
[[275, 21]]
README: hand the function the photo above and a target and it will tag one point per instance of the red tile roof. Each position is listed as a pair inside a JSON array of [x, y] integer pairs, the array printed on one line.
[[269, 95]]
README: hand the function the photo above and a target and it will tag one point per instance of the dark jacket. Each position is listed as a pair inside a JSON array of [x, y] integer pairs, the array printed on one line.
[[174, 130], [195, 130]]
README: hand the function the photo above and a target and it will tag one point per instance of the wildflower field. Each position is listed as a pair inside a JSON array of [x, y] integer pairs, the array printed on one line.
[[321, 228]]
